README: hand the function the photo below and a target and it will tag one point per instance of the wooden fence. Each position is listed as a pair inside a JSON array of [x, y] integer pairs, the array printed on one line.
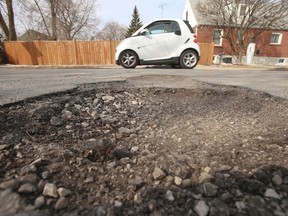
[[74, 52], [207, 51]]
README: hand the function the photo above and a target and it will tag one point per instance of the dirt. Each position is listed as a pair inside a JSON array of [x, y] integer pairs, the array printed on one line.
[[129, 148]]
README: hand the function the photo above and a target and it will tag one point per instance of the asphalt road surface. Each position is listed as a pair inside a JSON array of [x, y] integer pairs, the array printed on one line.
[[18, 83]]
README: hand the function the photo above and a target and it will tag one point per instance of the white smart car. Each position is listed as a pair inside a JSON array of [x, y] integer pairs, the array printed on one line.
[[163, 41]]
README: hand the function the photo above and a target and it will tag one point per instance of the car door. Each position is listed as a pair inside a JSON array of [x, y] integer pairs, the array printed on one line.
[[159, 40]]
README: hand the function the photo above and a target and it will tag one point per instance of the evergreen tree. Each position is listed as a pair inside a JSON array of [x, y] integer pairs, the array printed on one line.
[[135, 23]]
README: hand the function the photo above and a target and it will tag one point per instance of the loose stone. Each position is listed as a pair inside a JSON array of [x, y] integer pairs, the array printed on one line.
[[10, 202], [178, 181], [224, 168], [271, 193], [186, 183], [169, 196], [61, 203], [108, 99], [12, 184], [209, 189], [63, 192], [27, 188], [2, 147], [205, 177], [39, 202], [28, 169], [50, 190], [158, 174], [277, 180], [31, 178], [201, 208]]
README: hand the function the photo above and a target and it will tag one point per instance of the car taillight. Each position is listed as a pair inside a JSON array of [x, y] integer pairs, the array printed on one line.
[[195, 38]]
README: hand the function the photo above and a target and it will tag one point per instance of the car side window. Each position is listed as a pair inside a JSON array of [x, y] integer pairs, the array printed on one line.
[[160, 27], [176, 28]]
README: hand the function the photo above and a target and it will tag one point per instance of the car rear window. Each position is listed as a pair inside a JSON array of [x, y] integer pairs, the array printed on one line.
[[175, 27], [189, 26]]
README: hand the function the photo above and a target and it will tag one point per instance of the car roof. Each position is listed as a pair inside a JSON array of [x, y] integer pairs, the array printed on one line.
[[165, 19]]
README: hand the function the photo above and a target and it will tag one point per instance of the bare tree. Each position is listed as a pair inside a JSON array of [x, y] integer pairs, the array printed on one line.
[[111, 31], [73, 18], [244, 20], [54, 6], [8, 29], [62, 19], [3, 23], [45, 21]]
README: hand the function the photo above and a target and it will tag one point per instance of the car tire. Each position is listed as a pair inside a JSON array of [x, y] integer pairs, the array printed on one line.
[[189, 59], [128, 59]]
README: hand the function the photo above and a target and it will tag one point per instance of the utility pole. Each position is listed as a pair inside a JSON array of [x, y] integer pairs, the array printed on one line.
[[162, 7]]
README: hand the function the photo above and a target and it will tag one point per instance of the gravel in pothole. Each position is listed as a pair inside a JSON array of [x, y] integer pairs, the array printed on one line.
[[118, 149]]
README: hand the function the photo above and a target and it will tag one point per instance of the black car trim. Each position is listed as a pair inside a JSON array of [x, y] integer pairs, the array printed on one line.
[[173, 60], [187, 40], [189, 26]]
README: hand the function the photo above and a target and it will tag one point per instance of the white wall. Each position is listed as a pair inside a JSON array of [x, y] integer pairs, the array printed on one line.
[[266, 61], [189, 12]]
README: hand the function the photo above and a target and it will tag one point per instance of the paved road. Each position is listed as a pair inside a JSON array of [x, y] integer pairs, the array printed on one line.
[[18, 83]]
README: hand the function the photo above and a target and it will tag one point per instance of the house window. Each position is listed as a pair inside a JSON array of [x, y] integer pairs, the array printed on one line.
[[242, 10], [276, 38], [240, 37], [217, 37], [227, 60]]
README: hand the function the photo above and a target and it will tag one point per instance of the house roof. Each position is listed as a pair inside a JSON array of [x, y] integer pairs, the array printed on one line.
[[31, 35], [202, 20]]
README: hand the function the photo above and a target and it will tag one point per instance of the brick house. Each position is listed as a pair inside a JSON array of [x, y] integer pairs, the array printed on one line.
[[270, 47]]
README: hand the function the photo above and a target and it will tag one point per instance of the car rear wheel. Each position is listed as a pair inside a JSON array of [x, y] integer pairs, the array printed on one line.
[[189, 59], [128, 59]]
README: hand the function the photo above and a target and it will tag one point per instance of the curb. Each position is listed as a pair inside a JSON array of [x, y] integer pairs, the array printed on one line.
[[208, 67]]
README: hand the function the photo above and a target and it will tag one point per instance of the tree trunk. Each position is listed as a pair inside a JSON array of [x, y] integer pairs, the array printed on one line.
[[53, 5], [239, 57], [4, 26], [43, 19], [12, 30]]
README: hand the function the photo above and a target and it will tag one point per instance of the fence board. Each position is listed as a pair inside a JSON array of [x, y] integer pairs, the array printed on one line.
[[75, 52], [207, 51]]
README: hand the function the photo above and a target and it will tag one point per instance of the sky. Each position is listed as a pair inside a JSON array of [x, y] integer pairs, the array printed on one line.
[[121, 10]]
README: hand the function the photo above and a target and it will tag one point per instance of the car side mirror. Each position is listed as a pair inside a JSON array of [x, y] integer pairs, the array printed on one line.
[[144, 32], [178, 32]]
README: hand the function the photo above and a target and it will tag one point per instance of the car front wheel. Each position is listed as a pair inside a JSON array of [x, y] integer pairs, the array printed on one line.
[[189, 59], [128, 59]]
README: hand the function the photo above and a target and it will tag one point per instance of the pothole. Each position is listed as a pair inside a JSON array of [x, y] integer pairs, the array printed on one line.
[[121, 149]]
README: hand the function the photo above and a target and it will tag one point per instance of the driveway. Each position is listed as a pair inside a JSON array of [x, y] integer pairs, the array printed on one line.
[[18, 83]]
